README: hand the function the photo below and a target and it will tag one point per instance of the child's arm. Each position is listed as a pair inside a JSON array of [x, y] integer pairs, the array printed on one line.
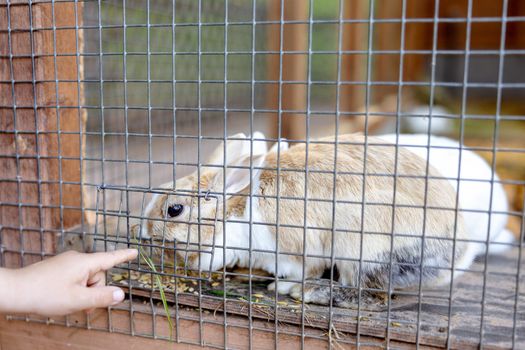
[[61, 285]]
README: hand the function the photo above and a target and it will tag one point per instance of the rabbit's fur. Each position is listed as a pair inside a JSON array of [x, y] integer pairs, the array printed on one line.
[[362, 250], [481, 196]]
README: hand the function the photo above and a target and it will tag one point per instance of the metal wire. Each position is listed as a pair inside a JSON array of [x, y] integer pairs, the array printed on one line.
[[155, 111], [495, 136]]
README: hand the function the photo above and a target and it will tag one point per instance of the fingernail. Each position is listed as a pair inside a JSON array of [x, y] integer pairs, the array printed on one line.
[[118, 295]]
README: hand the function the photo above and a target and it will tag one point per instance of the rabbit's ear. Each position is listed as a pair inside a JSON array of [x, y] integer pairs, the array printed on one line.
[[259, 147], [234, 150], [238, 179], [283, 146], [238, 174]]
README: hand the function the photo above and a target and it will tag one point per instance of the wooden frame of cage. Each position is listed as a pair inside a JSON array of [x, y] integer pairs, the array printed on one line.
[[43, 159], [43, 162]]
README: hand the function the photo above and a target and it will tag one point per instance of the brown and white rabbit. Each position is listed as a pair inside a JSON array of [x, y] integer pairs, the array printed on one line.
[[357, 239]]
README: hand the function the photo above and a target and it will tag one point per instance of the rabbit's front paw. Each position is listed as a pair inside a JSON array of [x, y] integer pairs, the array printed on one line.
[[318, 292], [283, 287]]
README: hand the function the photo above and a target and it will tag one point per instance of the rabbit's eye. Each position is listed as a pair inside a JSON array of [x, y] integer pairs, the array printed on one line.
[[175, 210]]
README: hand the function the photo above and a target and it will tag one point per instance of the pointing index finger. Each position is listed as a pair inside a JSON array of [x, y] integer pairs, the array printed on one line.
[[106, 260]]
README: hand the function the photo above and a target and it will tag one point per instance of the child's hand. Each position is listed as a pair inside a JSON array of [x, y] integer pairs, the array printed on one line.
[[61, 285]]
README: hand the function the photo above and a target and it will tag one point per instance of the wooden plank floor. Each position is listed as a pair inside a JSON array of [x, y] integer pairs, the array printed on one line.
[[189, 333], [498, 308]]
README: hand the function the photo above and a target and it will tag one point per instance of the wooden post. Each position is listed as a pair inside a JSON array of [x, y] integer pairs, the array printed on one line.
[[387, 36], [355, 38], [418, 37], [41, 123], [516, 29], [294, 66], [353, 65]]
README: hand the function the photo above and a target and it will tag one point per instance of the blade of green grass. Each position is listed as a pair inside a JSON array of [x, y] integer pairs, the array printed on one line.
[[151, 265]]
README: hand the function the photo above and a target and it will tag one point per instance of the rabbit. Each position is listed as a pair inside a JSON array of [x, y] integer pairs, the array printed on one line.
[[417, 119], [474, 191], [362, 249]]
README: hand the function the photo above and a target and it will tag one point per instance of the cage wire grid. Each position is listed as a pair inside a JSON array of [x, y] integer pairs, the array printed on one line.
[[119, 207]]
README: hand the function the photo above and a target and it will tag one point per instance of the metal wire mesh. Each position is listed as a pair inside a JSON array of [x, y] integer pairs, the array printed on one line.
[[166, 87]]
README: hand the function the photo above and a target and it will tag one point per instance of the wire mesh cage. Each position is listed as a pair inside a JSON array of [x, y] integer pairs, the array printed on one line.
[[304, 173], [119, 218]]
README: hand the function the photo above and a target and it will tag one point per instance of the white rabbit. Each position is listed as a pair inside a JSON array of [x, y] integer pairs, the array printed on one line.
[[361, 235], [475, 189], [418, 119]]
